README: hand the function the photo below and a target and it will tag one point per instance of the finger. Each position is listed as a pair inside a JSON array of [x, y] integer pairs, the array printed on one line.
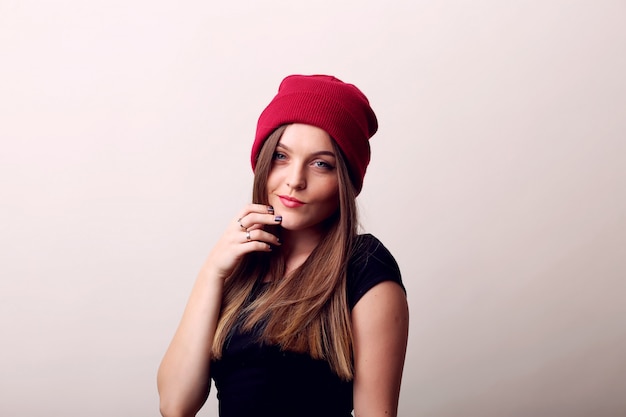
[[255, 226], [255, 246], [257, 220], [261, 235], [256, 208]]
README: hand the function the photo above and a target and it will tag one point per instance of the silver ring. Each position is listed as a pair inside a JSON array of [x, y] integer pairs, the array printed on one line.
[[248, 236]]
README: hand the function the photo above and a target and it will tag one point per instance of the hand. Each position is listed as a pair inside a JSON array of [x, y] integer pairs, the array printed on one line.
[[243, 235]]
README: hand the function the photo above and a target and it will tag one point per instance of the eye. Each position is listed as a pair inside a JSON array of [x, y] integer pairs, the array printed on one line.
[[278, 156], [323, 165]]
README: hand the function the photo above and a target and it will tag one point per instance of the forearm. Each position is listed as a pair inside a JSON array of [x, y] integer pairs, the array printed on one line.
[[183, 378]]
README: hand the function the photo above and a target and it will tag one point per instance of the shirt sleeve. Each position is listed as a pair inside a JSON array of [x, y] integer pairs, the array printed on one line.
[[370, 264]]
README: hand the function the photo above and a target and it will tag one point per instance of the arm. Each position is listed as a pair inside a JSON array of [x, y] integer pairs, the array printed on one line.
[[183, 379], [380, 324]]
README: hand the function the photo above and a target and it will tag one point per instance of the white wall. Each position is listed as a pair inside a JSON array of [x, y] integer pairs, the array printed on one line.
[[497, 180]]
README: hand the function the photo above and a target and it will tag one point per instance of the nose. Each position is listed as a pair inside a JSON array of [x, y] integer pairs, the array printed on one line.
[[296, 178]]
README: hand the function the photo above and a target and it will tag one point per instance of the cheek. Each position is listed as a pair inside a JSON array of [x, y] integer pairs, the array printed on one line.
[[331, 194], [271, 183]]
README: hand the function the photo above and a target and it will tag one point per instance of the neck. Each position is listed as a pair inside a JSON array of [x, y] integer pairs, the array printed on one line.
[[298, 245]]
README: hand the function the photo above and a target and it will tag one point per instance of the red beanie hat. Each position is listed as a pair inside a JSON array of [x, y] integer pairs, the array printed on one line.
[[324, 101]]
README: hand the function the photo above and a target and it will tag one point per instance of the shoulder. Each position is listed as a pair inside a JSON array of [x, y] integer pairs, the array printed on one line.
[[370, 264]]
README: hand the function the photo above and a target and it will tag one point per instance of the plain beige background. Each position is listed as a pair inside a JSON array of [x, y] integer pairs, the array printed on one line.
[[497, 180]]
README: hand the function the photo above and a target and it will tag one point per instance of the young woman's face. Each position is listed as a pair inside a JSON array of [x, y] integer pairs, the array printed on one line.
[[303, 184]]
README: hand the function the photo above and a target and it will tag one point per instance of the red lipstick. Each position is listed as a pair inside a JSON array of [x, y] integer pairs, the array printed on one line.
[[290, 202]]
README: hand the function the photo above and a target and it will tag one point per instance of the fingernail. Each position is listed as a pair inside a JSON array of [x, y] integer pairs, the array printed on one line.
[[278, 218], [270, 209]]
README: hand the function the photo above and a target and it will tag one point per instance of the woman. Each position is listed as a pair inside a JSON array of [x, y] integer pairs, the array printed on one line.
[[293, 313]]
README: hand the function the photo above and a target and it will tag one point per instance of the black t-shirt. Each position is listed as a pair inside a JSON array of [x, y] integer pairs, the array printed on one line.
[[259, 380]]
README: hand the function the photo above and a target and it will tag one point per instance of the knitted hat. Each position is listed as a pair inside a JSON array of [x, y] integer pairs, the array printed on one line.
[[324, 101]]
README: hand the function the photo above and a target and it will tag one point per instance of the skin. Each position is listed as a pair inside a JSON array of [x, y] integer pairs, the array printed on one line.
[[380, 326], [303, 168]]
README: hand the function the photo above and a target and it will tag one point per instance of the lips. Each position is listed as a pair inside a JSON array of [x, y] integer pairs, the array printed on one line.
[[290, 202]]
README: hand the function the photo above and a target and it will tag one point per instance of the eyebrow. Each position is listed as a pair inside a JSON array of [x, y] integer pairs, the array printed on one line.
[[327, 153]]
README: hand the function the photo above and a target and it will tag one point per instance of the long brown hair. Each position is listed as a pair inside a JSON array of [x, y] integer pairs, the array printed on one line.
[[313, 296]]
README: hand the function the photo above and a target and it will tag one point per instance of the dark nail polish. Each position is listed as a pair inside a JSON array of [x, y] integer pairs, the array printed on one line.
[[278, 219], [270, 209]]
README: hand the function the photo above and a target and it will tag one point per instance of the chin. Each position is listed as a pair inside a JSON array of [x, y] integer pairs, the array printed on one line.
[[298, 226], [293, 227]]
